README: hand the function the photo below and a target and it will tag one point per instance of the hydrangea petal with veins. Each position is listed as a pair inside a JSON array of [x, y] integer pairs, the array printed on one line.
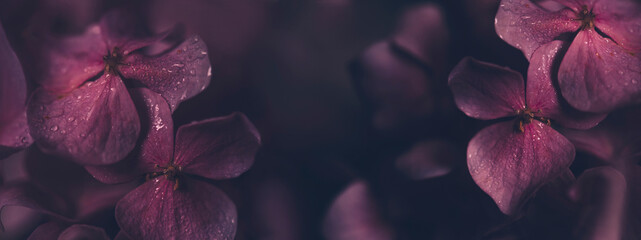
[[95, 122]]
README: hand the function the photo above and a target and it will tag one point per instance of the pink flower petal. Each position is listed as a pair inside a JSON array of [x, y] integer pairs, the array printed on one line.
[[217, 148], [602, 192], [33, 197], [526, 26], [429, 159], [543, 96], [47, 231], [196, 210], [156, 146], [96, 124], [354, 216], [15, 135], [486, 91], [596, 75], [511, 165], [177, 75], [82, 231], [620, 19], [69, 62], [423, 33]]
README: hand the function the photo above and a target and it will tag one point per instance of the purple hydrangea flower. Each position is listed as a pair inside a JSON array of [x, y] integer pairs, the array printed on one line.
[[175, 202], [14, 132], [510, 160], [83, 109], [601, 69]]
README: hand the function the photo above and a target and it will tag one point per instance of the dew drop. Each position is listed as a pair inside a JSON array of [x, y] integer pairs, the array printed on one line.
[[54, 128]]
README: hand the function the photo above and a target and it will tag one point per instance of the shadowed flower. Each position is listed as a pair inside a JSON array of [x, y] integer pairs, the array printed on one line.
[[601, 69], [83, 109], [54, 230], [14, 132], [175, 202], [511, 160]]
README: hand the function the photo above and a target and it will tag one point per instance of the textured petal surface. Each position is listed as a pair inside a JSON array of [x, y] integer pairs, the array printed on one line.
[[621, 20], [155, 146], [542, 94], [526, 26], [196, 210], [96, 124], [177, 75], [596, 75], [486, 91], [71, 61], [82, 231], [602, 193], [15, 135], [217, 148], [354, 216], [511, 165]]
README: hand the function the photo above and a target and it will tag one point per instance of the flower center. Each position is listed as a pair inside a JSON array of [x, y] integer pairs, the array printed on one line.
[[526, 115], [586, 17], [113, 59], [171, 173]]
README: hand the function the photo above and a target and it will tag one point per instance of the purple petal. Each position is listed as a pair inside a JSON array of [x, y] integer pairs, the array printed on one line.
[[71, 61], [486, 91], [620, 19], [15, 135], [96, 124], [156, 145], [603, 192], [596, 75], [354, 216], [429, 159], [47, 231], [196, 210], [13, 86], [526, 26], [510, 165], [543, 96], [120, 30], [423, 33], [177, 75], [399, 91], [33, 197], [81, 231], [217, 148]]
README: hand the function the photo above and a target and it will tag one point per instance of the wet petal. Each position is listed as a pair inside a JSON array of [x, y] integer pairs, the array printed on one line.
[[510, 165], [354, 215], [196, 210], [71, 61], [121, 29], [217, 148], [82, 231], [526, 26], [423, 33], [621, 20], [602, 192], [486, 91], [177, 75], [96, 124], [156, 146], [543, 96], [596, 75]]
